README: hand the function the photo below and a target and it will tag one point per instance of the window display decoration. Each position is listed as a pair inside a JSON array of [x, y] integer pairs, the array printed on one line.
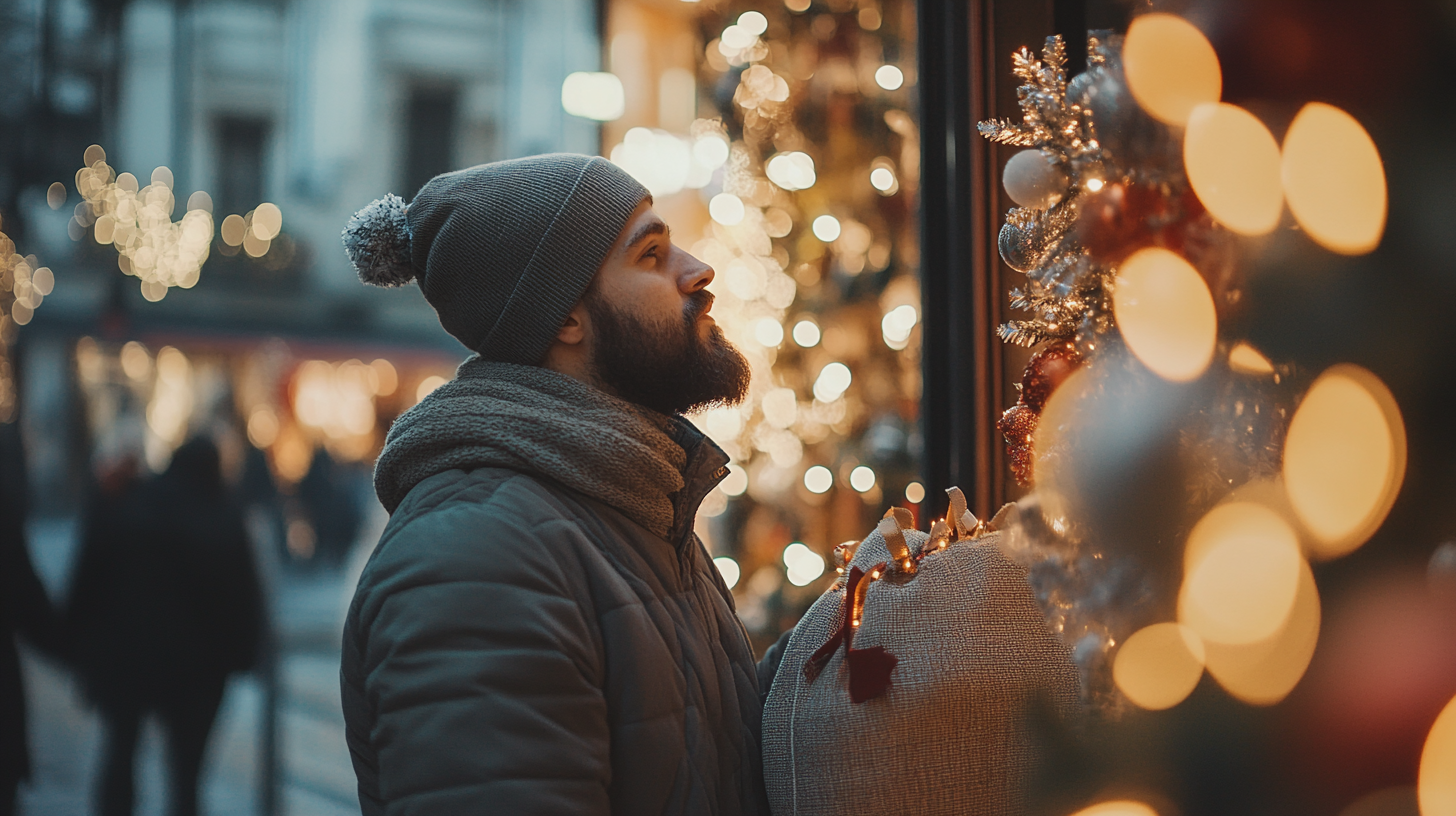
[[1138, 192]]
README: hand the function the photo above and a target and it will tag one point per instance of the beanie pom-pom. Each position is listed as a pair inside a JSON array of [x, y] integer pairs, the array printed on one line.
[[377, 240]]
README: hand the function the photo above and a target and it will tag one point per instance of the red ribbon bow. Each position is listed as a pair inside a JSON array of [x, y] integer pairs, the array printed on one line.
[[869, 669]]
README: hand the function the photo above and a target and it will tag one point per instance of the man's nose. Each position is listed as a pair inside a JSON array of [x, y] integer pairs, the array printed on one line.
[[696, 275]]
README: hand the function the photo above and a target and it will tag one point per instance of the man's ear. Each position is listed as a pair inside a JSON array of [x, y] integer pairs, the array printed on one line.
[[574, 328]]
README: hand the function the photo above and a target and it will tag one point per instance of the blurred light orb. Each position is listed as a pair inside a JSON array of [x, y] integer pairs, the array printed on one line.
[[1241, 574], [753, 22], [1344, 458], [882, 179], [232, 229], [780, 407], [56, 195], [1436, 785], [1122, 807], [818, 479], [736, 482], [595, 95], [1246, 359], [736, 38], [1232, 162], [826, 228], [1033, 179], [386, 377], [711, 151], [729, 569], [915, 492], [1166, 314], [791, 171], [862, 479], [1171, 67], [1264, 672], [136, 363], [727, 209], [804, 565], [889, 77], [428, 385], [262, 427], [832, 382], [1159, 665], [806, 333], [662, 162], [768, 332], [723, 424], [1334, 180], [267, 221], [897, 324]]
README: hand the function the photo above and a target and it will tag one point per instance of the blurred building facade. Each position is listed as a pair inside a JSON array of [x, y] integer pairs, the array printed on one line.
[[314, 107]]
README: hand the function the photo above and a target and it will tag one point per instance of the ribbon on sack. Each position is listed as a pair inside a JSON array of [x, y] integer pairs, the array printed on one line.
[[869, 669]]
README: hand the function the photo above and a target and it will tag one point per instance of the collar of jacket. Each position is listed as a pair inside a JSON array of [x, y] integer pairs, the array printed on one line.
[[706, 466]]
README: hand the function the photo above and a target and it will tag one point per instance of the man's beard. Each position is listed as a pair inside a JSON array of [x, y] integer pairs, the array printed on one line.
[[665, 365]]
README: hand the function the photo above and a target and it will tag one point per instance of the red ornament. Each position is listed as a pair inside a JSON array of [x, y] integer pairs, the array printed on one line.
[[1045, 371], [1018, 423], [1123, 217], [1019, 457]]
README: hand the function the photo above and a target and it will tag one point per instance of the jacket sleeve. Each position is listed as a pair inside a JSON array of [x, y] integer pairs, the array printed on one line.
[[482, 673]]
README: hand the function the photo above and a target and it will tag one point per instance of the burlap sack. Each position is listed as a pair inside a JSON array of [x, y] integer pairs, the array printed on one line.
[[967, 652]]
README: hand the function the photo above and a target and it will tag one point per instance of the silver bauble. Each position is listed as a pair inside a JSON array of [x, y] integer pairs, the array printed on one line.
[[1034, 179]]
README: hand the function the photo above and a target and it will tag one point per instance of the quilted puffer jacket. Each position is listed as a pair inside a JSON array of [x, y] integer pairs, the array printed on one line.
[[519, 646]]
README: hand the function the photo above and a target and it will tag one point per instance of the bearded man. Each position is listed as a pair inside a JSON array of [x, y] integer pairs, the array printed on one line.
[[539, 629]]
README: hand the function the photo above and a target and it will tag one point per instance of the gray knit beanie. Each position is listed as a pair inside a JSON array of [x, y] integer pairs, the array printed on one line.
[[502, 251]]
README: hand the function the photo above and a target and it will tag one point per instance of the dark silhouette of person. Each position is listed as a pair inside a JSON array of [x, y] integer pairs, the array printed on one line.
[[165, 604], [332, 509], [24, 610]]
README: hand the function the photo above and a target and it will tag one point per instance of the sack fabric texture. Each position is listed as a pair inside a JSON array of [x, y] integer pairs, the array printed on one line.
[[951, 735], [538, 630]]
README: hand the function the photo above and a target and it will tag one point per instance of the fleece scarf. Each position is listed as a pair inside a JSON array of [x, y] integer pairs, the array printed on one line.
[[536, 421]]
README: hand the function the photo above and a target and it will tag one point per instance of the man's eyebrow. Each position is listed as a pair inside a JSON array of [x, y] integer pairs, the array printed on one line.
[[645, 231]]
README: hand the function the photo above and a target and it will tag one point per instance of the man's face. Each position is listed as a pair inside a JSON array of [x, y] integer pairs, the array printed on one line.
[[653, 341]]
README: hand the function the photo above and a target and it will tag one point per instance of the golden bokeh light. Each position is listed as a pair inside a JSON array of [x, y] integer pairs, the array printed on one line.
[[1165, 313], [1171, 67], [1120, 807], [1344, 459], [232, 229], [1232, 162], [1334, 180], [1436, 785], [1264, 672], [1159, 665], [1246, 359], [1241, 574], [267, 221]]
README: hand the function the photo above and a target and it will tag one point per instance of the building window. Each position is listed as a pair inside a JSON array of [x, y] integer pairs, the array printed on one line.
[[429, 134], [240, 164]]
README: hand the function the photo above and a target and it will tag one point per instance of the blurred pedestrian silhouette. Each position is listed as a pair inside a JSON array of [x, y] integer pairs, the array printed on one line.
[[164, 605], [332, 508], [25, 610]]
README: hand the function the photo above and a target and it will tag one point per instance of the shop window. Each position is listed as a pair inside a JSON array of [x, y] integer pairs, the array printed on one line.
[[798, 182]]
